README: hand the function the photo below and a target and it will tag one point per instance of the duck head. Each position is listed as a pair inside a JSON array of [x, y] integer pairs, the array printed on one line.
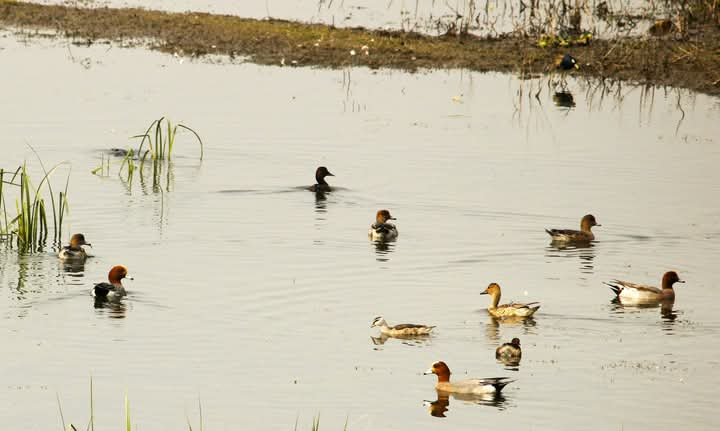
[[567, 62], [441, 369], [117, 273], [378, 321], [670, 278], [383, 216], [321, 173], [492, 289], [588, 222], [77, 240], [515, 342]]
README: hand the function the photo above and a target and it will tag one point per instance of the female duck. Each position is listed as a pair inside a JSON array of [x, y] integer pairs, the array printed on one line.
[[405, 329], [321, 185], [381, 230], [113, 290], [639, 293], [512, 309], [569, 235], [492, 385], [509, 351], [74, 251]]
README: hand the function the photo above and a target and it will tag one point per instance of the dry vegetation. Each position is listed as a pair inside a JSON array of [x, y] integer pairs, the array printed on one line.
[[684, 52]]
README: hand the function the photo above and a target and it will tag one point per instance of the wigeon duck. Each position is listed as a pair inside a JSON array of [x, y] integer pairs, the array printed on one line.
[[404, 329], [569, 235], [639, 293], [381, 230], [321, 185], [492, 385], [512, 309], [74, 251], [114, 289], [566, 62], [509, 352]]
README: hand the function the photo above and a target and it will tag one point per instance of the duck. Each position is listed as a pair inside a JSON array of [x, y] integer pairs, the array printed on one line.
[[513, 309], [639, 293], [566, 62], [491, 385], [569, 235], [381, 230], [404, 329], [509, 351], [113, 290], [74, 251], [321, 185]]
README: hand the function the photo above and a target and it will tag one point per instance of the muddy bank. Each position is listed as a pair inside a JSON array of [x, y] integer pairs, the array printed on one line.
[[691, 62]]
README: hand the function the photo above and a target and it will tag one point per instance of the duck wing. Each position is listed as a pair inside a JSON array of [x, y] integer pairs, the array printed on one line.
[[102, 290], [617, 286], [498, 382], [410, 326], [383, 227], [519, 305]]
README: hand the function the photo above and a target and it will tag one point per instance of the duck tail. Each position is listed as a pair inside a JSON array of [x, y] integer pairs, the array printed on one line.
[[614, 287], [499, 385], [550, 232]]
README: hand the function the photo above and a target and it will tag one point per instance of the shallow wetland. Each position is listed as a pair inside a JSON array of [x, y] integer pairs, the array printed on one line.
[[256, 296]]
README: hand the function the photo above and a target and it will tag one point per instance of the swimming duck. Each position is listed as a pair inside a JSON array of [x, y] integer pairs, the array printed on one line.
[[381, 230], [74, 251], [512, 309], [509, 351], [566, 62], [400, 330], [569, 235], [639, 293], [321, 185], [492, 385], [113, 290]]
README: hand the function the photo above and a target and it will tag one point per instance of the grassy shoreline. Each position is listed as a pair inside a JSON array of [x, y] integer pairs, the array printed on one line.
[[691, 62]]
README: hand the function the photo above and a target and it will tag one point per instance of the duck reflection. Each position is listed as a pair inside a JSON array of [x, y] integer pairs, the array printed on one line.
[[667, 312], [383, 249], [564, 99], [585, 252], [492, 328], [408, 340], [114, 309], [320, 202], [441, 405]]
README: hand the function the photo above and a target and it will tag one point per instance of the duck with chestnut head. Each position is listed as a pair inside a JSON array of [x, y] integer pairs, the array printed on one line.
[[320, 184], [74, 251], [113, 290], [381, 230], [632, 293], [491, 385]]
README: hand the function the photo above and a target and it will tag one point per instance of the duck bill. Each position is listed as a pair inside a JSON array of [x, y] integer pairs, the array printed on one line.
[[598, 225], [88, 244], [577, 66], [484, 292], [429, 371], [680, 281], [129, 278], [330, 174]]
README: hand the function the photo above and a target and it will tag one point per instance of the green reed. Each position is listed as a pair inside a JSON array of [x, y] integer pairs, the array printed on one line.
[[161, 146], [30, 225]]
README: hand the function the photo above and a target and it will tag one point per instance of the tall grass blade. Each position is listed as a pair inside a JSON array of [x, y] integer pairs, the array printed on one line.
[[92, 407], [197, 136], [62, 418], [127, 414]]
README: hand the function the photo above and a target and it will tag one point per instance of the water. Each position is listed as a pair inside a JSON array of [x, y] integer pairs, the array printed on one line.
[[256, 297]]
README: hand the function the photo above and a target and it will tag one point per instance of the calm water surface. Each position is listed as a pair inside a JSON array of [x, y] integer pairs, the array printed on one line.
[[257, 297]]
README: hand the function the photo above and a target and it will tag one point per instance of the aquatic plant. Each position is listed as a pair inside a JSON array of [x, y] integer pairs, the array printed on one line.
[[30, 225], [155, 148]]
